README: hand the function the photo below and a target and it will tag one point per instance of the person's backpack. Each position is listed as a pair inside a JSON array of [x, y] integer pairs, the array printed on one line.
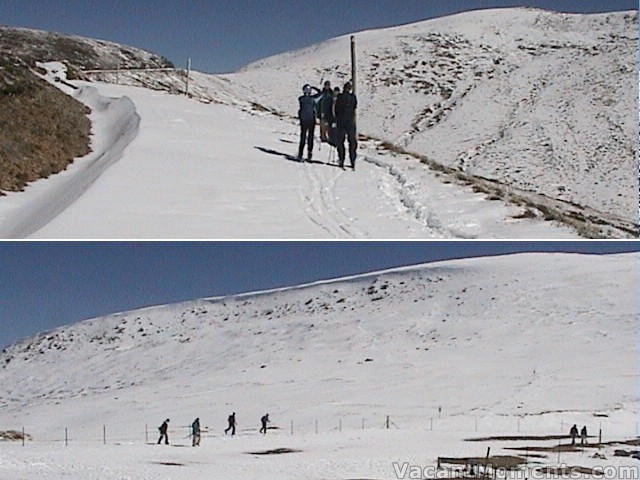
[[307, 112]]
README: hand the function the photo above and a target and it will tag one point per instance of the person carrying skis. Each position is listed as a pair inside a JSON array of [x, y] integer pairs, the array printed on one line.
[[264, 420], [307, 117], [164, 428], [195, 433], [345, 109], [232, 424]]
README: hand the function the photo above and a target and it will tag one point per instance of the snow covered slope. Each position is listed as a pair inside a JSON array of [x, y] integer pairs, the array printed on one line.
[[518, 345], [545, 102], [513, 335], [80, 52]]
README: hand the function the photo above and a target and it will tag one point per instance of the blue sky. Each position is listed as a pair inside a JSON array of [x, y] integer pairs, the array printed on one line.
[[224, 35], [48, 284]]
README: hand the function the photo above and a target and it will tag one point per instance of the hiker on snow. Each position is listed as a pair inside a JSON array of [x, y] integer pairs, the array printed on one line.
[[232, 424], [345, 109], [264, 420], [163, 432], [583, 435], [195, 433], [574, 433], [325, 111], [307, 117]]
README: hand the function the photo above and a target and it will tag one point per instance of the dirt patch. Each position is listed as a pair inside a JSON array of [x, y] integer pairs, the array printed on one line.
[[13, 436], [496, 461], [277, 451], [509, 438], [554, 448]]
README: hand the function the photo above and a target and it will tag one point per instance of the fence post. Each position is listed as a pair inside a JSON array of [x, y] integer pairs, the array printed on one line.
[[23, 436], [291, 427], [388, 422], [104, 434], [186, 91], [146, 433], [66, 437]]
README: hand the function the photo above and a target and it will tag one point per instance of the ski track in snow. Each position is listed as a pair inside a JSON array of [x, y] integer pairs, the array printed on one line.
[[193, 171]]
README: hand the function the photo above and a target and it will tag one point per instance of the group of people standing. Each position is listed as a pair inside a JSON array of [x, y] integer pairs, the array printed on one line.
[[337, 114], [574, 433], [196, 432]]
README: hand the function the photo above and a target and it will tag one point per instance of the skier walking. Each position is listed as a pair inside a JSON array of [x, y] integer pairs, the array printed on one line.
[[264, 420], [574, 433], [195, 433], [164, 428], [345, 109], [232, 424], [307, 117]]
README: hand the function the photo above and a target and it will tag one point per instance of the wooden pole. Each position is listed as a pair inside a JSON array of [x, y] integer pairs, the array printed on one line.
[[104, 434], [354, 77], [23, 436], [66, 437], [186, 91]]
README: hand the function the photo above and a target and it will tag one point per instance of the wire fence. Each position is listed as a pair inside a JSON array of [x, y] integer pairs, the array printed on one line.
[[182, 434]]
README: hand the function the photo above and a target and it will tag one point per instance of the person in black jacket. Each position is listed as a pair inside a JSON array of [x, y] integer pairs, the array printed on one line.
[[232, 424], [345, 110], [264, 420], [574, 433], [325, 112], [307, 117], [163, 432]]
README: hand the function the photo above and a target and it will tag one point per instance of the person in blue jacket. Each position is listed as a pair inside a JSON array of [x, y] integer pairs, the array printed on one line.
[[307, 117]]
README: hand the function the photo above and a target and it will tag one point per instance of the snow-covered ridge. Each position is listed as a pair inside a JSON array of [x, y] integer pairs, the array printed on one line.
[[504, 315], [541, 101], [80, 52]]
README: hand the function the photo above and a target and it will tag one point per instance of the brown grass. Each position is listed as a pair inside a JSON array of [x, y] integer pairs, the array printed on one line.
[[41, 129]]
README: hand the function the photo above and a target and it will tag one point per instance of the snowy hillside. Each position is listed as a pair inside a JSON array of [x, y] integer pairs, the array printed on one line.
[[501, 318], [513, 123], [530, 342], [541, 101], [82, 53]]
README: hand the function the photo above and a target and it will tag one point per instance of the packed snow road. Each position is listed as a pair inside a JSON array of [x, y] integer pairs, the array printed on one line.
[[202, 171]]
